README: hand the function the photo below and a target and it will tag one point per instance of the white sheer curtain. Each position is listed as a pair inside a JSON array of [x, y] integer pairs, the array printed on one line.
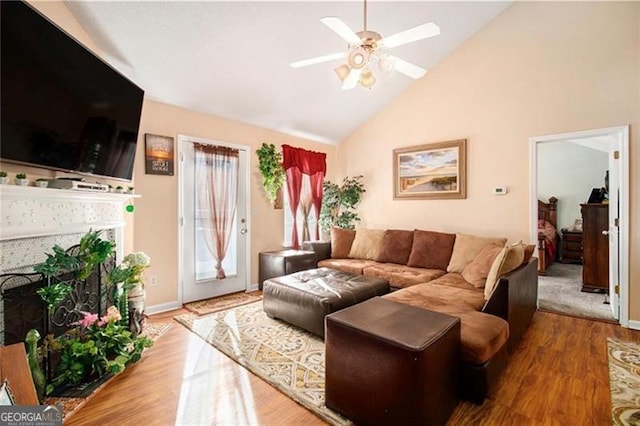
[[217, 192]]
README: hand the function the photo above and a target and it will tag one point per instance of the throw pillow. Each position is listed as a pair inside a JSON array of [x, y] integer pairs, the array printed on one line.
[[507, 260], [477, 271], [529, 249], [366, 244], [467, 247], [341, 240], [396, 246], [431, 250]]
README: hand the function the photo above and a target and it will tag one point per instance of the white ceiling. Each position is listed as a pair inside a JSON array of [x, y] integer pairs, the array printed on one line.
[[231, 59]]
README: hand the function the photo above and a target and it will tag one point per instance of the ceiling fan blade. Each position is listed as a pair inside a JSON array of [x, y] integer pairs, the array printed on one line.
[[412, 34], [407, 68], [318, 59], [352, 79], [340, 28]]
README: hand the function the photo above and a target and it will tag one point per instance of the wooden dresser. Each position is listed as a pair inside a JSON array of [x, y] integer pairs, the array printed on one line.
[[595, 247], [571, 246]]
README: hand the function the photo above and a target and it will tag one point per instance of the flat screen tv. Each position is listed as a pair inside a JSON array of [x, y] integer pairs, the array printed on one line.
[[63, 108]]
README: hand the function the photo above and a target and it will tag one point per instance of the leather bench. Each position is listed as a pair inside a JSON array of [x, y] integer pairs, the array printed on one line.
[[305, 298], [390, 363]]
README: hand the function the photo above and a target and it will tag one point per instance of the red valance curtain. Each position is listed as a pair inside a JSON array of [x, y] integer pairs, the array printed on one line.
[[296, 162]]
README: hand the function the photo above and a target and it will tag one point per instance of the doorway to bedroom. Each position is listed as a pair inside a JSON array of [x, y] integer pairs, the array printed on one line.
[[582, 178]]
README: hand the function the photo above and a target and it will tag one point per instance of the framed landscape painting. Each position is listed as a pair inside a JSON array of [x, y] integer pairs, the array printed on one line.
[[430, 172]]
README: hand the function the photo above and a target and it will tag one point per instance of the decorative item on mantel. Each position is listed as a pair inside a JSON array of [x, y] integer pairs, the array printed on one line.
[[21, 179], [273, 174], [42, 182], [3, 177]]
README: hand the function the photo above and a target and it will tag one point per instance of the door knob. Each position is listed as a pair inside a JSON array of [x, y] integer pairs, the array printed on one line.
[[605, 232]]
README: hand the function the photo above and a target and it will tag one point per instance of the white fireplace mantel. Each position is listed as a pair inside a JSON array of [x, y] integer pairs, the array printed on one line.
[[28, 211]]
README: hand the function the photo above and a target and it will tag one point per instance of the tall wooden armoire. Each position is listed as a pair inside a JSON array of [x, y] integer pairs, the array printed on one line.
[[595, 247]]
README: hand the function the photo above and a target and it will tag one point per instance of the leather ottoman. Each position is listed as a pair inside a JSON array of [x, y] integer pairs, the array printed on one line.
[[305, 298], [390, 363]]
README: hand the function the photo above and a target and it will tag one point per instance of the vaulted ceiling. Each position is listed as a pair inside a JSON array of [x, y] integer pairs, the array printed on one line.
[[231, 59]]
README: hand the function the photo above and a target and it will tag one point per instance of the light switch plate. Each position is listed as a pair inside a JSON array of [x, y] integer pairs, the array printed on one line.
[[500, 190]]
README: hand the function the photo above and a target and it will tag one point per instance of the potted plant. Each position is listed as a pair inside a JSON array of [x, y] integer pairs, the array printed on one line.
[[21, 179], [42, 182], [130, 190], [3, 177], [273, 174], [339, 202], [119, 189]]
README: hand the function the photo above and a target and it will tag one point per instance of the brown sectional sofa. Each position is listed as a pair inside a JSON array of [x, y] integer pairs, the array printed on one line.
[[491, 287]]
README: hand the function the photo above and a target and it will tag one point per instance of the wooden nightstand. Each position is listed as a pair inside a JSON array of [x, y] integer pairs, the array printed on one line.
[[571, 246]]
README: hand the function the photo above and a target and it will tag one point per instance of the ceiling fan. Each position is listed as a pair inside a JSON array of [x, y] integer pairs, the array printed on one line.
[[367, 47]]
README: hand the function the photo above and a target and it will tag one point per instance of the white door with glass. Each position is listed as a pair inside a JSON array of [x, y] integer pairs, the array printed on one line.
[[213, 180]]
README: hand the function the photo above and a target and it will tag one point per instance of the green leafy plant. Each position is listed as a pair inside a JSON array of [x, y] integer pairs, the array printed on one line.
[[21, 176], [273, 174], [97, 346], [42, 180], [91, 251], [339, 202], [3, 173]]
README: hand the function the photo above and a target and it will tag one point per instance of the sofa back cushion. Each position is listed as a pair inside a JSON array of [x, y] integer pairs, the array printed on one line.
[[477, 270], [467, 247], [341, 241], [431, 250], [366, 244], [510, 258], [396, 246]]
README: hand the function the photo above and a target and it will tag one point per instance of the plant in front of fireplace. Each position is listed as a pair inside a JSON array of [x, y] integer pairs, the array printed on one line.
[[339, 203], [91, 252], [96, 346], [3, 177], [127, 279]]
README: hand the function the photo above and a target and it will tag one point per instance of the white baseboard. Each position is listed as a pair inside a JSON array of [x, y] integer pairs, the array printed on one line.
[[253, 287], [163, 307], [635, 325]]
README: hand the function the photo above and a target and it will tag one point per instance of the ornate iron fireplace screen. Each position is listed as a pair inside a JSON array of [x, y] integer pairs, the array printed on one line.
[[23, 309]]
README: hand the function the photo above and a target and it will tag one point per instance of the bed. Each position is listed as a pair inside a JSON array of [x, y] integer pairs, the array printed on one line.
[[548, 237]]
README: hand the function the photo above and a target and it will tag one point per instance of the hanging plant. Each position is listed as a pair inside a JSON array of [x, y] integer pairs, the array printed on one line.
[[339, 202], [273, 174]]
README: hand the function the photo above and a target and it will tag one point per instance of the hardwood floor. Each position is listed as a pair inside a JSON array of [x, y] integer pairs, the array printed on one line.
[[557, 376]]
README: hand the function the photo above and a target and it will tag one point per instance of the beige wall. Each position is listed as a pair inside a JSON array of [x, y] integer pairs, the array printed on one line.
[[539, 68], [156, 222], [153, 227]]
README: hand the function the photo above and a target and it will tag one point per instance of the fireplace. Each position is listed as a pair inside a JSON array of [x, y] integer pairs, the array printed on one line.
[[32, 221]]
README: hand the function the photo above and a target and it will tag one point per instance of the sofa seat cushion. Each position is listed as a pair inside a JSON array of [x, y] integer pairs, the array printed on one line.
[[401, 276], [454, 279], [445, 299], [481, 335], [350, 266]]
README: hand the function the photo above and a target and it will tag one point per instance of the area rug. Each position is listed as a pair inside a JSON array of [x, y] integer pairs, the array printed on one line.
[[70, 405], [624, 378], [217, 304], [559, 291], [284, 356]]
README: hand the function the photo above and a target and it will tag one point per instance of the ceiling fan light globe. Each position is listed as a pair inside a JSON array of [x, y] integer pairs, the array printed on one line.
[[342, 71], [358, 58], [386, 65], [367, 79]]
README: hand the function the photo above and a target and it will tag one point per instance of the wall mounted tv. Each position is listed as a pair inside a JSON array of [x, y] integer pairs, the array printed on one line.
[[62, 108]]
